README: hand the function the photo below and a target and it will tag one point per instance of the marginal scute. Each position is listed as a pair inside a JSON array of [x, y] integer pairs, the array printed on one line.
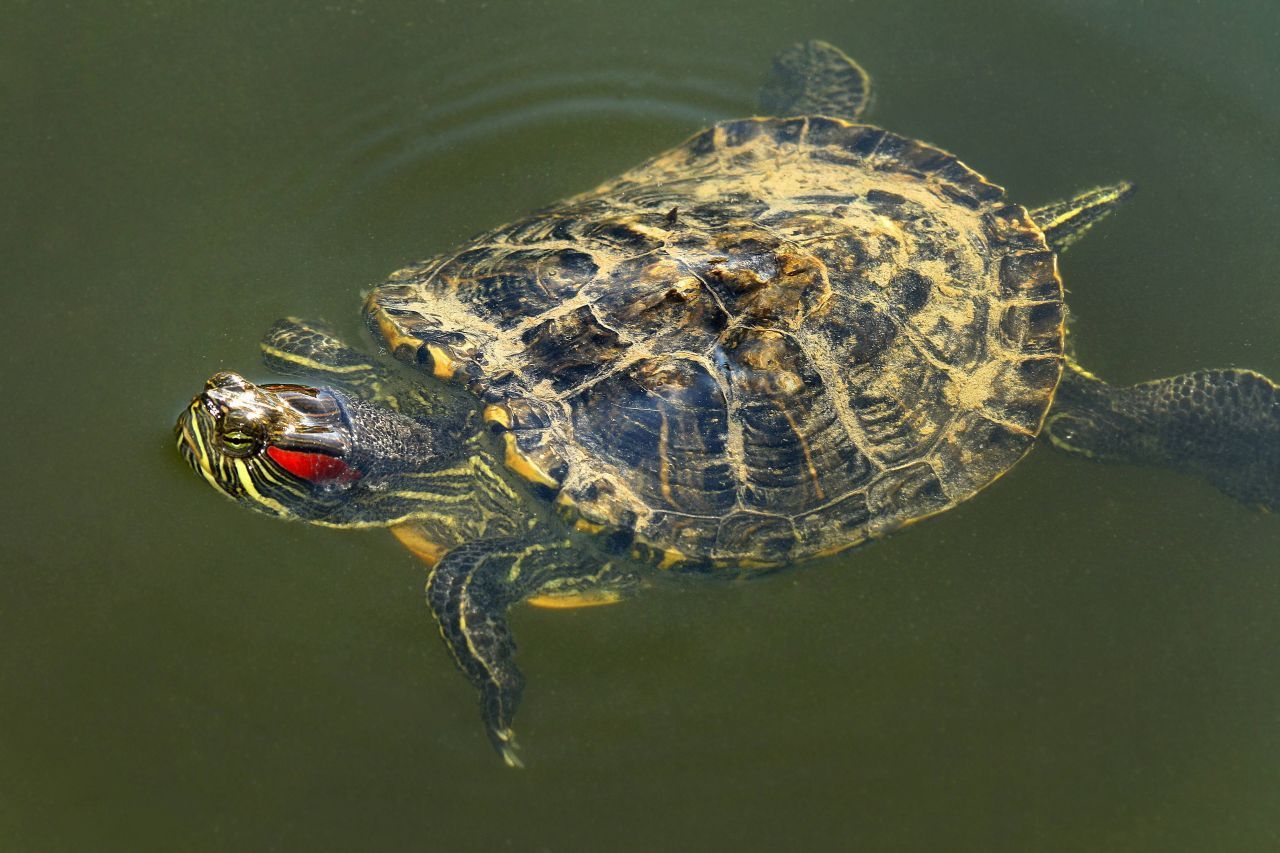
[[429, 336], [977, 450], [904, 495], [775, 341], [1032, 328], [749, 533], [1029, 275], [836, 526]]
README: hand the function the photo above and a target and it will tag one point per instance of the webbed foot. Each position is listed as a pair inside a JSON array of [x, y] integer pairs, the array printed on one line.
[[1221, 425]]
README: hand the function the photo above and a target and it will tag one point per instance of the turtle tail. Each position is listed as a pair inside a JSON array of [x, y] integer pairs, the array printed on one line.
[[1221, 425]]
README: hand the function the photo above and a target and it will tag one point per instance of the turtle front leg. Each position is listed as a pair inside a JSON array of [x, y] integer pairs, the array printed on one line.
[[470, 591], [311, 350], [305, 348]]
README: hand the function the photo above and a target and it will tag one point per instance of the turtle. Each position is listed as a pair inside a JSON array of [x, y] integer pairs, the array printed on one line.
[[789, 335]]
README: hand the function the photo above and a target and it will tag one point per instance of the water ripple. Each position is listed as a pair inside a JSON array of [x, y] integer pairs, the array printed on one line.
[[369, 139]]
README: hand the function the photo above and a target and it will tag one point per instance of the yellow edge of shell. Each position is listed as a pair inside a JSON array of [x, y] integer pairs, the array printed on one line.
[[520, 464]]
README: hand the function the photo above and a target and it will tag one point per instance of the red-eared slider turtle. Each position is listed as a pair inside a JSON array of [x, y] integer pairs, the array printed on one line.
[[782, 338]]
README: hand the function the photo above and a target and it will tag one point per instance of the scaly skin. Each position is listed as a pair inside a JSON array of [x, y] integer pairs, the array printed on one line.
[[1220, 425]]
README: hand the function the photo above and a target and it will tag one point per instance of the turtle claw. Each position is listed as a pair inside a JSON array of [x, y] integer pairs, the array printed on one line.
[[511, 758], [504, 740]]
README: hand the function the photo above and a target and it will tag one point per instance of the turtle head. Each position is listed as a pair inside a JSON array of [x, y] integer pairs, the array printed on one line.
[[294, 451], [283, 449]]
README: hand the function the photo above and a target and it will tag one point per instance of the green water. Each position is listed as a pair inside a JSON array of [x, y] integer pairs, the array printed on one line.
[[1084, 658]]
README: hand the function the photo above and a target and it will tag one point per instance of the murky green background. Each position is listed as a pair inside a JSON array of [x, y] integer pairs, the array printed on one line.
[[1084, 658]]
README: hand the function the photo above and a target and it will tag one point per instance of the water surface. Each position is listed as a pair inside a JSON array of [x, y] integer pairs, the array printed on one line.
[[1082, 658]]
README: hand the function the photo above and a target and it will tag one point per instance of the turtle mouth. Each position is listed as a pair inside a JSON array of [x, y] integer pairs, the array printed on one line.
[[194, 433]]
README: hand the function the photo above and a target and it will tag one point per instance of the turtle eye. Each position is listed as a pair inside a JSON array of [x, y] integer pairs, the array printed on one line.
[[238, 443]]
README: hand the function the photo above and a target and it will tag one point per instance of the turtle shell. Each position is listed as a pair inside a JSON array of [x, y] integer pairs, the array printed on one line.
[[777, 340]]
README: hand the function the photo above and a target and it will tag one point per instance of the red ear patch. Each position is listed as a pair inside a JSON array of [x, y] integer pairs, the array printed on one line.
[[316, 467]]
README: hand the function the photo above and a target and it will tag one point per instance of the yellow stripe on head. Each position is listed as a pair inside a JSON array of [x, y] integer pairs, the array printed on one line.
[[245, 477]]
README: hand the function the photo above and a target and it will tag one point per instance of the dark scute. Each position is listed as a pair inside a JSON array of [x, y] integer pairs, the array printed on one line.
[[904, 494], [531, 229], [824, 131], [727, 208], [624, 236], [567, 271], [924, 159], [885, 202], [693, 536], [1008, 225], [430, 334], [889, 152], [742, 263], [752, 535], [507, 298], [819, 199], [1039, 372], [623, 418], [1028, 275], [571, 347], [796, 452], [1026, 412], [1036, 329], [702, 144], [788, 130], [998, 440], [528, 413], [910, 290], [961, 197], [841, 523], [961, 176], [975, 450], [477, 258], [836, 156], [657, 296], [566, 229], [738, 132], [864, 333], [509, 285], [865, 141], [884, 421], [1044, 319]]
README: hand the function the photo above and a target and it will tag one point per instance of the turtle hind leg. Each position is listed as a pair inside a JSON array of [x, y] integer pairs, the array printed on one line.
[[1064, 222], [1221, 425], [815, 78]]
